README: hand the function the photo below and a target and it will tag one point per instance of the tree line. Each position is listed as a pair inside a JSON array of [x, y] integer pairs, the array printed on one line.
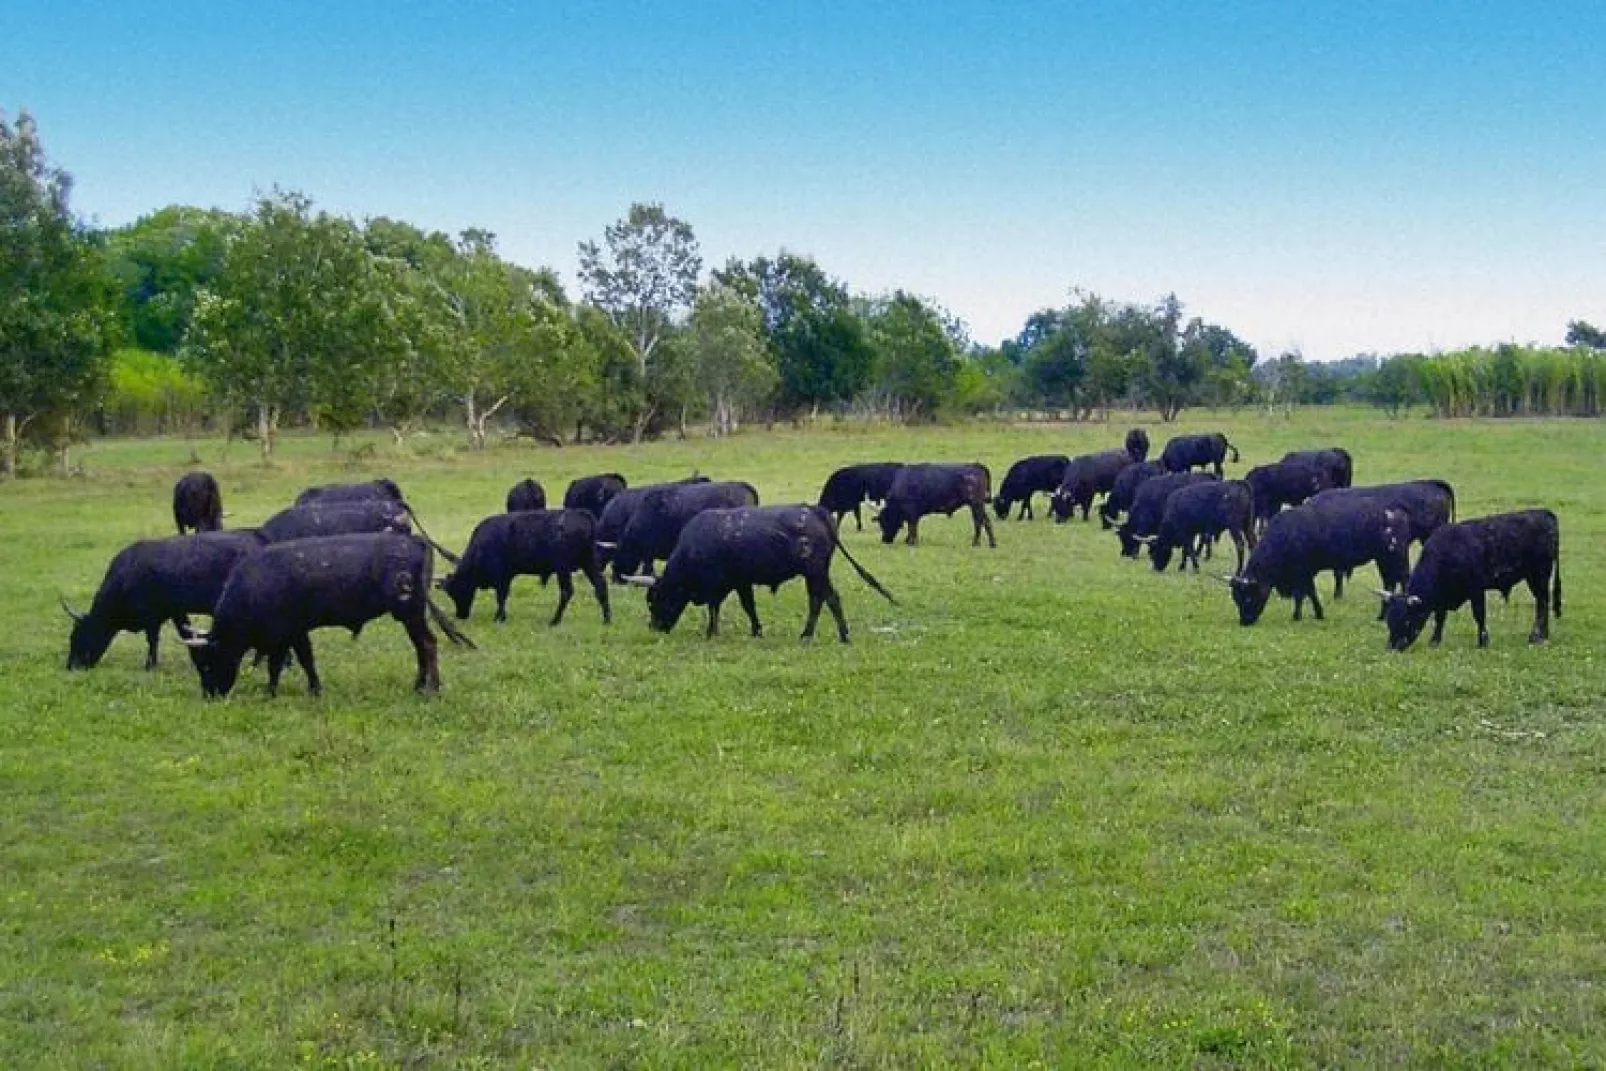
[[286, 315]]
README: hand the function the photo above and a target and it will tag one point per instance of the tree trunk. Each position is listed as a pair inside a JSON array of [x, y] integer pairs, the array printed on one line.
[[682, 421], [267, 429], [476, 428], [8, 449], [639, 430]]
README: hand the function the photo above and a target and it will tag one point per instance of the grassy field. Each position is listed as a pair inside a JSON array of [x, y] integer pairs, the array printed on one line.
[[1053, 809]]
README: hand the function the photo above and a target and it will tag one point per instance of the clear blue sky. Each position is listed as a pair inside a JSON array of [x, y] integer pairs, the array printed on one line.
[[1337, 177]]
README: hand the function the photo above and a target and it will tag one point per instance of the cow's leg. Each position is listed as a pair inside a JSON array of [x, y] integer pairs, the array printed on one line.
[[1438, 627], [713, 615], [153, 637], [745, 594], [1299, 603], [1480, 612], [816, 600], [1315, 603], [565, 593], [302, 645], [1541, 593], [1026, 511], [858, 518], [503, 588], [276, 660], [979, 515], [827, 591], [599, 586], [1238, 545], [913, 537], [429, 670]]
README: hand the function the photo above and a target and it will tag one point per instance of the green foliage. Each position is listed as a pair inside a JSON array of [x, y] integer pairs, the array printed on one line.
[[151, 393], [916, 361], [729, 355], [56, 322], [1514, 381], [1584, 333], [160, 263]]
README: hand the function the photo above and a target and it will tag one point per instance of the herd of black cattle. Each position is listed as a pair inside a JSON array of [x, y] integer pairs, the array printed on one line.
[[345, 554]]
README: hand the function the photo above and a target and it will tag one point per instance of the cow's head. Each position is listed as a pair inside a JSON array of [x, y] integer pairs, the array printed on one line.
[[461, 590], [218, 669], [890, 519], [665, 601], [1001, 507], [1159, 554], [1061, 505], [1137, 444], [1250, 596], [1129, 543], [89, 639], [1405, 615]]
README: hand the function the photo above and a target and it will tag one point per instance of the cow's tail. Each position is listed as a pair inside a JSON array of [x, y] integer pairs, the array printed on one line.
[[413, 513], [453, 633], [864, 574], [1555, 582], [1228, 444]]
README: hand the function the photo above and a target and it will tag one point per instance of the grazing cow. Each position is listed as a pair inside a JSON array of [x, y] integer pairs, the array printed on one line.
[[1025, 478], [1137, 444], [1125, 489], [616, 516], [1184, 452], [1288, 482], [526, 494], [1430, 504], [655, 525], [154, 581], [726, 550], [1461, 561], [275, 597], [1303, 541], [367, 491], [593, 493], [1197, 514], [1086, 477], [197, 503], [537, 543], [336, 518], [936, 488], [849, 487], [1148, 508], [1335, 461]]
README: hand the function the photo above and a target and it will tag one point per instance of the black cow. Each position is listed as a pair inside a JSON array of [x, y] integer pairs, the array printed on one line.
[[655, 525], [1305, 540], [1137, 444], [197, 503], [539, 543], [1462, 561], [1196, 515], [526, 494], [936, 488], [1184, 452], [367, 491], [276, 597], [1125, 489], [593, 493], [849, 487], [1148, 508], [1289, 482], [1335, 461], [1087, 477], [1026, 477], [154, 581], [336, 518], [726, 550], [1430, 504], [615, 518]]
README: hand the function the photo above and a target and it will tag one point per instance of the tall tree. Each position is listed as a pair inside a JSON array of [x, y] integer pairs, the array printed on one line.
[[292, 318], [55, 306], [160, 262], [1584, 333], [816, 343], [730, 364], [644, 276], [915, 360]]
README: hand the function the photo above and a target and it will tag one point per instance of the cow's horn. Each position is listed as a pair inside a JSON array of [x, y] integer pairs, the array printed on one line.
[[195, 639], [1383, 594], [641, 580], [607, 546], [74, 614], [1224, 578]]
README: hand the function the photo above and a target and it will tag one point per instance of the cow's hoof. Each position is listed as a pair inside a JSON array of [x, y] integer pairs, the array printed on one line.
[[1538, 637]]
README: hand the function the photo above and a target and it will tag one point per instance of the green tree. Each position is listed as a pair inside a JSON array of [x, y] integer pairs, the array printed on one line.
[[293, 318], [55, 305], [644, 276], [729, 358], [915, 359], [161, 262], [1584, 333]]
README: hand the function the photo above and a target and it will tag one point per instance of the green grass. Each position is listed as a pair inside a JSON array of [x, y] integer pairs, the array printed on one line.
[[1052, 809]]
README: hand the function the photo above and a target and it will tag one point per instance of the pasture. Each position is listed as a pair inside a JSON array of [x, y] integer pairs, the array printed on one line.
[[1052, 809]]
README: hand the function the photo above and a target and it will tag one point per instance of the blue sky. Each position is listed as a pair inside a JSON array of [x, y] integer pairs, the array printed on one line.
[[1332, 177]]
